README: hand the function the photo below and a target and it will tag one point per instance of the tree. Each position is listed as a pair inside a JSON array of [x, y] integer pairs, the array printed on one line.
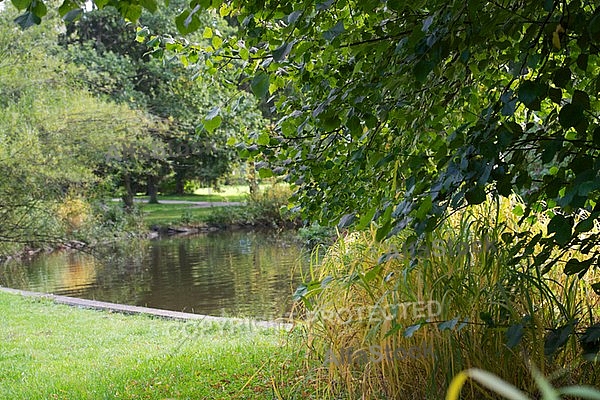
[[57, 141], [397, 113], [118, 65]]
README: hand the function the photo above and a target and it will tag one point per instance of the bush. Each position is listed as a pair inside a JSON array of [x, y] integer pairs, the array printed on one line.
[[74, 213], [316, 235], [266, 208]]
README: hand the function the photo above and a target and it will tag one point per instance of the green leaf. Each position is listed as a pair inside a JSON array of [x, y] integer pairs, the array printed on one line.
[[411, 330], [366, 219], [580, 392], [66, 6], [72, 15], [187, 22], [301, 291], [260, 84], [509, 103], [555, 94], [27, 20], [582, 61], [422, 70], [424, 208], [557, 338], [324, 5], [149, 5], [514, 334], [531, 93], [334, 32], [346, 220], [581, 99], [213, 113], [282, 51], [448, 325], [476, 195], [293, 17], [585, 225], [21, 4], [561, 77], [331, 122], [570, 115], [594, 27], [216, 42], [263, 139], [574, 266], [562, 229], [39, 8], [208, 33], [131, 12], [265, 173], [211, 124]]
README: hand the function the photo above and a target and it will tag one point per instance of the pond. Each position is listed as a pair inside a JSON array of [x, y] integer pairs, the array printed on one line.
[[242, 274]]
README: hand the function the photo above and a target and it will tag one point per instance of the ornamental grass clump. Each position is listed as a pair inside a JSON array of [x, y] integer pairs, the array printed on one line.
[[400, 318]]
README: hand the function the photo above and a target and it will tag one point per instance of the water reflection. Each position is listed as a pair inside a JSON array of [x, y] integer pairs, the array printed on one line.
[[228, 273]]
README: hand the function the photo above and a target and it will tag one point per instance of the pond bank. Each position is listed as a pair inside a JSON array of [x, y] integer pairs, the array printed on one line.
[[155, 312], [55, 351]]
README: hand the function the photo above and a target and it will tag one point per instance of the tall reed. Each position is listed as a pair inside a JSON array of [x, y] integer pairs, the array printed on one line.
[[400, 318]]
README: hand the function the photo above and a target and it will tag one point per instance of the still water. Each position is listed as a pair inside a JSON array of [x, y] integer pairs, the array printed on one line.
[[244, 274]]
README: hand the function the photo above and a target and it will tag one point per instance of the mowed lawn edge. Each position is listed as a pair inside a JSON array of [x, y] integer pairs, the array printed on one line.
[[52, 351]]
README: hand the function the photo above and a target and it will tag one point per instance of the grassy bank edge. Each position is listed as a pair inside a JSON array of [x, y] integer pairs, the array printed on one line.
[[56, 351]]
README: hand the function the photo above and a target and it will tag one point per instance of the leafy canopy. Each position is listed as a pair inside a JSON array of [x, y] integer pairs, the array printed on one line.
[[397, 112]]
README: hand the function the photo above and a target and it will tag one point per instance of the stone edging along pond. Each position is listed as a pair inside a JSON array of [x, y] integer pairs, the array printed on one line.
[[126, 309]]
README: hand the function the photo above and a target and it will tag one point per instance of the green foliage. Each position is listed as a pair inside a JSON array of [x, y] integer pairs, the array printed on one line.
[[57, 143], [265, 208], [397, 114], [117, 63], [401, 113], [316, 235]]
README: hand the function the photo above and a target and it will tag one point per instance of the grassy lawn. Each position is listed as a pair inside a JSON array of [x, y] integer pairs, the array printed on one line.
[[230, 193], [50, 351], [226, 193], [174, 214], [178, 214]]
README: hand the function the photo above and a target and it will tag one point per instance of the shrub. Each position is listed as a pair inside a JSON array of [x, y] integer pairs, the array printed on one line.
[[316, 235], [266, 208], [74, 213]]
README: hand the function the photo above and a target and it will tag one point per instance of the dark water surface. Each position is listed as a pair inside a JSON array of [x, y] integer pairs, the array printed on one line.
[[245, 274]]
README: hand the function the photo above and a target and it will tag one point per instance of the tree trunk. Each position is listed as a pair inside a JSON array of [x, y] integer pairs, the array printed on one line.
[[252, 179], [128, 196], [179, 184], [153, 189]]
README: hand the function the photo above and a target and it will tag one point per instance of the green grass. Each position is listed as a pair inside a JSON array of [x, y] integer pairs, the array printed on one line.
[[50, 351], [231, 193], [183, 214], [175, 214], [214, 197], [226, 193]]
